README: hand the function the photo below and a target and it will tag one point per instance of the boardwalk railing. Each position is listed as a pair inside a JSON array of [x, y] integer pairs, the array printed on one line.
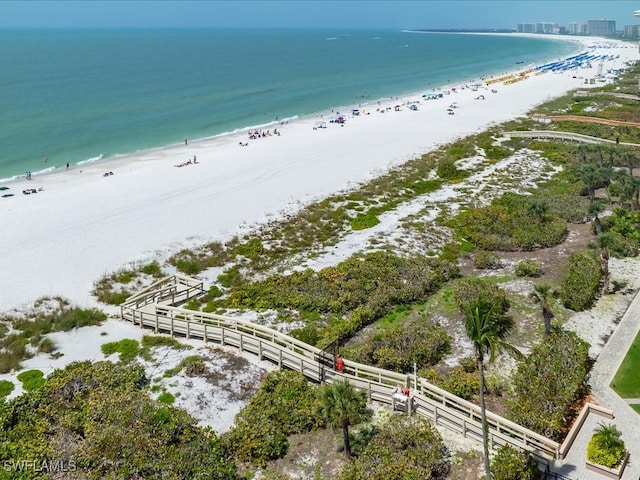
[[571, 137], [437, 405], [170, 290]]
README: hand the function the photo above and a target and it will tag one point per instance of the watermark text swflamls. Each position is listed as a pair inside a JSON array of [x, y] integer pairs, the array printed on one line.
[[59, 466]]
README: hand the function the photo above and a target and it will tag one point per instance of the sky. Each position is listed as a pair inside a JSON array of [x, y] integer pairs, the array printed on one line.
[[399, 14]]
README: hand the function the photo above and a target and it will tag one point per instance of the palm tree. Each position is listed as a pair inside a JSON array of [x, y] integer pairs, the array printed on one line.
[[604, 240], [342, 405], [487, 329], [542, 294]]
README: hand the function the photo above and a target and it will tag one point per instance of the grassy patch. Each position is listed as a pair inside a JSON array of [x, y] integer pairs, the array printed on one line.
[[192, 365], [626, 382], [32, 379], [636, 407], [127, 349], [6, 387], [167, 398], [364, 221], [150, 341]]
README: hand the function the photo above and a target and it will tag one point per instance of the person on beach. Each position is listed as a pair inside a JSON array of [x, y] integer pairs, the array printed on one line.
[[67, 165], [186, 141]]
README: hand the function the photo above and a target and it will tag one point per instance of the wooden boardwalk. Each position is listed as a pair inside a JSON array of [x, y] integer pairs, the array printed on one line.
[[154, 308], [565, 136]]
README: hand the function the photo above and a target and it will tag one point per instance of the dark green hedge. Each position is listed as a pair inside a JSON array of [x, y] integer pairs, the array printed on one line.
[[581, 283]]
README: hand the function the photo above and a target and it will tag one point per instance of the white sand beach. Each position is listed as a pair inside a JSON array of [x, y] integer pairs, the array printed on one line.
[[83, 225]]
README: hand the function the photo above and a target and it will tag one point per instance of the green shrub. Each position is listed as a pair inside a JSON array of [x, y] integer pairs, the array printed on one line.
[[111, 427], [450, 252], [403, 447], [189, 266], [364, 220], [252, 249], [580, 286], [460, 381], [512, 464], [512, 222], [192, 366], [309, 334], [127, 349], [46, 345], [472, 290], [285, 404], [487, 261], [167, 398], [13, 350], [351, 294], [6, 387], [231, 277], [528, 268], [447, 170], [606, 447], [397, 348], [152, 269], [150, 341], [31, 379], [422, 187], [548, 383]]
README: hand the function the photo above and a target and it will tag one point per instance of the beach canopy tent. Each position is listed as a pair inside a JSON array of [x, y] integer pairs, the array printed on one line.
[[320, 124], [413, 106], [355, 112], [430, 96]]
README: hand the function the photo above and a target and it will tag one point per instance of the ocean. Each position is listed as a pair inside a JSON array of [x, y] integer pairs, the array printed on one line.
[[89, 95]]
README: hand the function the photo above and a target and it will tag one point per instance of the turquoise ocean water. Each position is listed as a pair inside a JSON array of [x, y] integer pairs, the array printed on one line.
[[81, 95]]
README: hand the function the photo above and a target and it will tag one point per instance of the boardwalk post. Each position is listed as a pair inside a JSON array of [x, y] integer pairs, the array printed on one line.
[[204, 334], [259, 349], [222, 336]]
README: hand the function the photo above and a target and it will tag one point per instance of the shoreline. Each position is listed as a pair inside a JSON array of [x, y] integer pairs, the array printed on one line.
[[83, 225], [581, 43]]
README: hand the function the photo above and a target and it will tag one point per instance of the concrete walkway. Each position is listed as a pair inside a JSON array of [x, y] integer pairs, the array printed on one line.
[[626, 419]]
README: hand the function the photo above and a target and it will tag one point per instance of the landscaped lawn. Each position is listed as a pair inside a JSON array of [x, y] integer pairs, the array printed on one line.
[[636, 407], [627, 381]]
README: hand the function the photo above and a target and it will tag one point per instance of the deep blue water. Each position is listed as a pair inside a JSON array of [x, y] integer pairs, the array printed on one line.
[[73, 95]]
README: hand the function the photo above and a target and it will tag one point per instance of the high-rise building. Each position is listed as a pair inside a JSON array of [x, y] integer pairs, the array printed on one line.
[[632, 31], [545, 27], [575, 28], [601, 28], [526, 28]]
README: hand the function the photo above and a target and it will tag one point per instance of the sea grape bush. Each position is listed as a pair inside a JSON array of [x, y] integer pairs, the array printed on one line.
[[548, 383], [512, 464], [580, 286], [404, 447]]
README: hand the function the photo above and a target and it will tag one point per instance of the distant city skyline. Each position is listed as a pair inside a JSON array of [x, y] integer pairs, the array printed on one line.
[[312, 13]]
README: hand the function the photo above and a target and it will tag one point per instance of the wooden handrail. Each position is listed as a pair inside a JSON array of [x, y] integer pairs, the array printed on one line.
[[429, 401]]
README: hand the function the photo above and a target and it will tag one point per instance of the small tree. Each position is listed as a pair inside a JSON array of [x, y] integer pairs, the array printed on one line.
[[606, 448], [342, 405], [542, 294]]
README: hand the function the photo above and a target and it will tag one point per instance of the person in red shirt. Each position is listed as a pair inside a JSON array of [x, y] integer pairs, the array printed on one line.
[[339, 363]]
